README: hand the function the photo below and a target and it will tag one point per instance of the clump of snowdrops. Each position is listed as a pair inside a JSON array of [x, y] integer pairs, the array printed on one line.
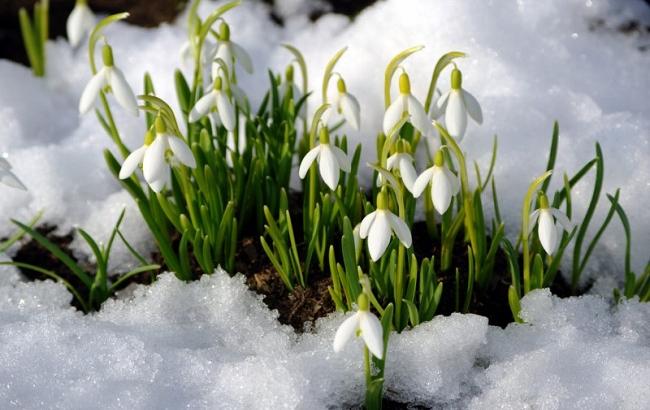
[[215, 170]]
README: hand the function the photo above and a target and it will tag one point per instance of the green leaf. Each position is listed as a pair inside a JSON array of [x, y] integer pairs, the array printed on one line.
[[513, 301]]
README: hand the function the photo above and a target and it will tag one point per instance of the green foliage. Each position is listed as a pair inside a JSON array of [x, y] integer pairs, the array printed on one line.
[[35, 32], [97, 286]]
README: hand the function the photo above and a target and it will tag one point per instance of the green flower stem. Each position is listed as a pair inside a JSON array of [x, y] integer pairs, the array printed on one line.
[[366, 365], [115, 134], [525, 214], [467, 195]]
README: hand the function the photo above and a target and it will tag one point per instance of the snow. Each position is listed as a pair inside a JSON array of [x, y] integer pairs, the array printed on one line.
[[214, 344]]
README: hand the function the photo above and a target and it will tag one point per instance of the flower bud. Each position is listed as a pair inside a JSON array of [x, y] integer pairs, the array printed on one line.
[[107, 55], [341, 86], [324, 136], [456, 79], [224, 32], [439, 158], [363, 303]]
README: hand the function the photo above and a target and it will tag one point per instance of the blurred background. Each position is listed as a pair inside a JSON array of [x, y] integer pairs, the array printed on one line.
[[145, 13]]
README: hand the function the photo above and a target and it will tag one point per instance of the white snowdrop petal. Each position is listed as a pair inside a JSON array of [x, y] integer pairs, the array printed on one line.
[[440, 105], [408, 173], [77, 24], [9, 179], [379, 235], [202, 107], [440, 191], [307, 160], [342, 158], [158, 184], [153, 163], [547, 231], [243, 57], [122, 91], [392, 161], [91, 91], [182, 151], [434, 111], [453, 180], [226, 111], [473, 107], [393, 114], [421, 182], [456, 116], [366, 223], [346, 331], [372, 333], [401, 229], [562, 219], [131, 162], [4, 164], [419, 119], [351, 110], [224, 52], [532, 220], [328, 167]]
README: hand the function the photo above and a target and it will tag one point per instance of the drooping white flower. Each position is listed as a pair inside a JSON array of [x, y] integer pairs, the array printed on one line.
[[108, 76], [379, 226], [402, 161], [236, 145], [444, 184], [347, 105], [365, 324], [547, 230], [7, 177], [231, 52], [457, 104], [80, 22], [216, 98], [331, 160], [406, 104], [157, 154]]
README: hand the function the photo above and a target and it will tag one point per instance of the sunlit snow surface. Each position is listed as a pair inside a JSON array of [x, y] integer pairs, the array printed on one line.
[[212, 344]]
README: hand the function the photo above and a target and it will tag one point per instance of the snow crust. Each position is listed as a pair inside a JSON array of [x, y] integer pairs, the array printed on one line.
[[214, 344]]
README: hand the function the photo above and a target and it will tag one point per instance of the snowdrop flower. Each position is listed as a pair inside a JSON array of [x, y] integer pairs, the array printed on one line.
[[217, 98], [547, 230], [378, 227], [444, 184], [238, 144], [156, 154], [231, 52], [7, 177], [456, 105], [402, 161], [108, 76], [406, 104], [347, 105], [331, 160], [80, 22], [365, 324]]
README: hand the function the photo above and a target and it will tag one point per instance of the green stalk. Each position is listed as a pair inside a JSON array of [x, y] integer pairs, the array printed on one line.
[[525, 214]]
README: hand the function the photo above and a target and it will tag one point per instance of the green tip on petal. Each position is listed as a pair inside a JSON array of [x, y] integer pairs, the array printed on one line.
[[224, 32], [404, 84], [363, 303], [149, 137], [456, 79], [107, 55], [288, 74], [81, 3], [341, 86], [160, 126], [543, 200], [324, 136], [439, 159]]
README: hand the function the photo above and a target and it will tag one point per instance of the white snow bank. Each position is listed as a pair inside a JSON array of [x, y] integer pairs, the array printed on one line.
[[530, 62], [214, 344]]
